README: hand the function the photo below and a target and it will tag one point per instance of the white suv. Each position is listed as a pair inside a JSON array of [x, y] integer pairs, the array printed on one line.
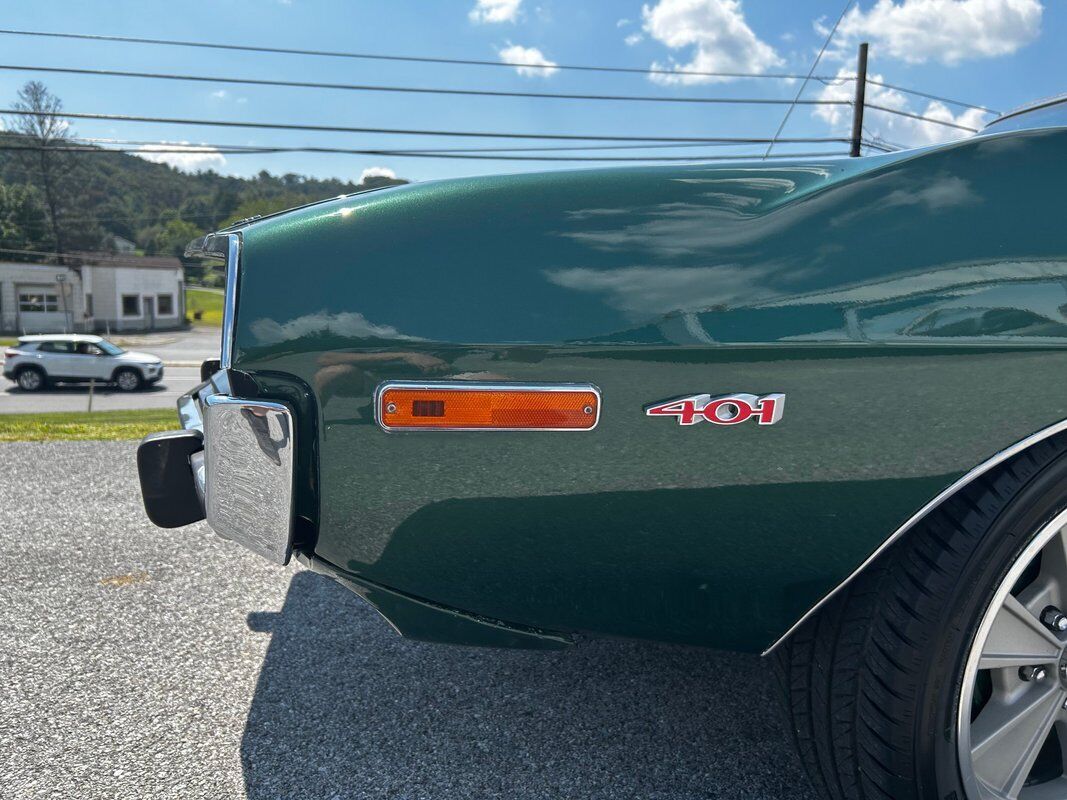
[[37, 360]]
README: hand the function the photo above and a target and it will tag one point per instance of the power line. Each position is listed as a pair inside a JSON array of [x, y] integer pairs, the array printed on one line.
[[931, 96], [357, 87], [386, 57], [874, 144], [459, 61], [934, 120], [837, 80], [405, 153], [807, 78], [725, 141], [351, 129], [875, 141]]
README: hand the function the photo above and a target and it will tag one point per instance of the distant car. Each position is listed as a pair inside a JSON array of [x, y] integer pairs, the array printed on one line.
[[35, 361]]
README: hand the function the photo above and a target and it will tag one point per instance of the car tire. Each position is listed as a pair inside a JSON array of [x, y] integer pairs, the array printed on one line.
[[876, 683], [128, 380], [31, 379]]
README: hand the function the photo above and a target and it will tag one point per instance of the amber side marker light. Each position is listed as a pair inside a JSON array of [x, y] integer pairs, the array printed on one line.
[[465, 406]]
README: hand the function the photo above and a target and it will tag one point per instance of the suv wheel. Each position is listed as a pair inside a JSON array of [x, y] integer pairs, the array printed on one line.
[[941, 671], [128, 380], [31, 379]]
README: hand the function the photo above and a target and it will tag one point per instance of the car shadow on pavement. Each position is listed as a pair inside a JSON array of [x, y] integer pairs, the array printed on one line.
[[344, 708]]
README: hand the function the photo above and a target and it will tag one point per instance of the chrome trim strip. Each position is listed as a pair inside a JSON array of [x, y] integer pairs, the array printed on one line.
[[912, 521], [475, 386], [229, 303]]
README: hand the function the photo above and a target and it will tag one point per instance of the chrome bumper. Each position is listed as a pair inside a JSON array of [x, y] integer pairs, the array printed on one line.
[[244, 474]]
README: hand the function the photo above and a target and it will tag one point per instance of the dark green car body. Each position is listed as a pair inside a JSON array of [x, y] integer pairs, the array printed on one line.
[[911, 307]]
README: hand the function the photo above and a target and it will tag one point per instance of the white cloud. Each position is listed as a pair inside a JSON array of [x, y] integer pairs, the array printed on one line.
[[634, 38], [717, 30], [495, 11], [517, 54], [622, 23], [349, 324], [376, 172], [892, 127], [191, 158], [948, 31], [220, 94]]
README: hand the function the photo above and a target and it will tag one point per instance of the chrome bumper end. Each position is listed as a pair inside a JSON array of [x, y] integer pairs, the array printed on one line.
[[243, 476]]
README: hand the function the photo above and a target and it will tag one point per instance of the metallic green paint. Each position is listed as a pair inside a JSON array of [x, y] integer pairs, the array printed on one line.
[[911, 307]]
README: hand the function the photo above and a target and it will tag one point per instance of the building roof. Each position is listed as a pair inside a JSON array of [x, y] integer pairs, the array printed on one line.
[[93, 259]]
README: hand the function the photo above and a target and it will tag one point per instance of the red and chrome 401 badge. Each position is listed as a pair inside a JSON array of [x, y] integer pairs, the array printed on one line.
[[730, 409]]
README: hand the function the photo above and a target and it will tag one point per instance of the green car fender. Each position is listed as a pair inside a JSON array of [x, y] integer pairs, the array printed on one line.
[[911, 308]]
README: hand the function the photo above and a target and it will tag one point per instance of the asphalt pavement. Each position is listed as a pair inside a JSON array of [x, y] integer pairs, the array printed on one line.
[[140, 663]]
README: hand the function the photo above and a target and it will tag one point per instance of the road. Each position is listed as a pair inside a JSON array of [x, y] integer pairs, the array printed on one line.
[[74, 397], [140, 662], [191, 346]]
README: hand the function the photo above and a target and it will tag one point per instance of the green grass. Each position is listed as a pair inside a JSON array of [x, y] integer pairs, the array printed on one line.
[[4, 342], [208, 303], [82, 426]]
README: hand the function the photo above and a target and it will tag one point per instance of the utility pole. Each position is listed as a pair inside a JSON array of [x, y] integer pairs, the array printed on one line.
[[857, 106], [61, 284]]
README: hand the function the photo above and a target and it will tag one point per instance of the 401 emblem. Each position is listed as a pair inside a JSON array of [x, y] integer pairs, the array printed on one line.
[[731, 409]]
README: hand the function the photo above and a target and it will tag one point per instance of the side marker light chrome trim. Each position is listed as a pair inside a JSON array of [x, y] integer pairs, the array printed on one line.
[[486, 406]]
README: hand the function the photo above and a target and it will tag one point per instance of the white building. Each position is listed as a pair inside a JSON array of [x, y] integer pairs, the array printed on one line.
[[98, 292]]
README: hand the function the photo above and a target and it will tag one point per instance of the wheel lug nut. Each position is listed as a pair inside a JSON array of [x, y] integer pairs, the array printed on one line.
[[1032, 673], [1054, 619]]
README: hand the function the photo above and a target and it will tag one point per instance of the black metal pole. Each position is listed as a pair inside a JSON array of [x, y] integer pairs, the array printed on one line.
[[857, 106]]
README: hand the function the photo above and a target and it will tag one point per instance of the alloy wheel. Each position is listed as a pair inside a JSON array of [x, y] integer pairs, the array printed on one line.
[[30, 380], [127, 381], [1012, 722]]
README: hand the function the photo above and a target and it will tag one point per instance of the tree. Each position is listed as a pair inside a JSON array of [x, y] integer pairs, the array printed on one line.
[[174, 236], [23, 222], [46, 131]]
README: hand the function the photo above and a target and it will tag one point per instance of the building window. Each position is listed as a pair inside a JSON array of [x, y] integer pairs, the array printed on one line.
[[131, 305], [38, 301], [165, 305], [88, 305]]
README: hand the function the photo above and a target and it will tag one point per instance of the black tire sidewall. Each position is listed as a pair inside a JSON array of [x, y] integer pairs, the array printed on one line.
[[1004, 540]]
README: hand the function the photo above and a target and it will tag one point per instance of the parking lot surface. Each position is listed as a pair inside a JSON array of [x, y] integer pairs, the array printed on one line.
[[139, 662]]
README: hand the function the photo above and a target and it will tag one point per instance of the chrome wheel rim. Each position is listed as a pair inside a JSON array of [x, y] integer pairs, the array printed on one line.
[[1012, 720], [30, 380], [127, 381]]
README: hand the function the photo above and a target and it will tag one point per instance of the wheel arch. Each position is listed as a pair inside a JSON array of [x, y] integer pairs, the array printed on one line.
[[948, 492]]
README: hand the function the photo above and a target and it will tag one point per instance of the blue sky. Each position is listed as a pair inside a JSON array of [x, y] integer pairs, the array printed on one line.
[[998, 53]]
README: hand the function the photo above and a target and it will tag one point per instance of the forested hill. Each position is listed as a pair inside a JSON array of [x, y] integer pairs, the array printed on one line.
[[100, 195]]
